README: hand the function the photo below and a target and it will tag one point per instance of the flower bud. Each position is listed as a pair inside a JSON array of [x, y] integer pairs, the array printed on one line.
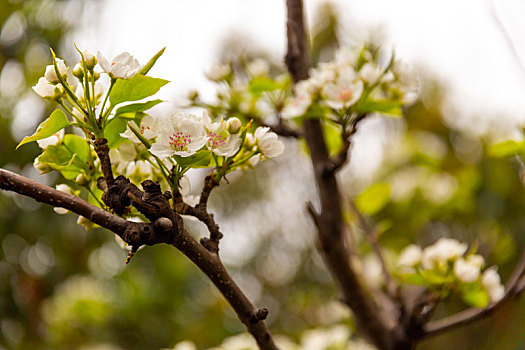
[[234, 125], [59, 91], [95, 74], [82, 180], [90, 60], [51, 75], [78, 71], [249, 141], [88, 224], [42, 167], [193, 95]]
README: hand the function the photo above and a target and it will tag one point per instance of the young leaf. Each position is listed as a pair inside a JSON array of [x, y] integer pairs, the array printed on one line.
[[61, 159], [391, 108], [113, 130], [151, 62], [261, 84], [474, 294], [56, 122], [332, 135], [201, 159], [136, 88], [136, 107], [373, 199], [506, 149]]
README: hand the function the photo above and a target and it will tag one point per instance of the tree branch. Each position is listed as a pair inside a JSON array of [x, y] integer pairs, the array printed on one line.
[[329, 221], [513, 287], [168, 227]]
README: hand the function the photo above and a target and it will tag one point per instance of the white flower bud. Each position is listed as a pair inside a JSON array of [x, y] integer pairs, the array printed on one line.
[[492, 283], [218, 72], [249, 141], [258, 67], [82, 180], [466, 271], [234, 125], [78, 71], [90, 59], [51, 75]]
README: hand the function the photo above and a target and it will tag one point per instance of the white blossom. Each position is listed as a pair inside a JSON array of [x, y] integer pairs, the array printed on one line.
[[268, 142], [220, 141], [51, 74], [466, 271], [410, 256], [181, 135], [122, 66], [370, 73], [492, 283], [63, 188], [148, 128], [47, 90], [258, 67], [444, 250], [218, 72], [342, 96], [297, 106], [51, 140]]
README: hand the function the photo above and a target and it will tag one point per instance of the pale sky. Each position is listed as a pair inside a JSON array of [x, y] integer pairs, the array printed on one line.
[[461, 42]]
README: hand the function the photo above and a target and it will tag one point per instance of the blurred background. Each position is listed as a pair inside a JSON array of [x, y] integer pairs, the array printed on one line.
[[423, 177]]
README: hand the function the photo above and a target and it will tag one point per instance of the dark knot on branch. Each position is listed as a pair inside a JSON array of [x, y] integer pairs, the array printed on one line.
[[259, 315]]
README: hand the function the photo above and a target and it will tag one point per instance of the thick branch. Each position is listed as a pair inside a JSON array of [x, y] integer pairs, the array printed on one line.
[[102, 151], [12, 182], [168, 227], [513, 287], [329, 221]]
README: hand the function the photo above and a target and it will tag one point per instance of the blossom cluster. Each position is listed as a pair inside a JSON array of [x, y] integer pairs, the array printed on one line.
[[184, 135], [445, 265], [349, 81]]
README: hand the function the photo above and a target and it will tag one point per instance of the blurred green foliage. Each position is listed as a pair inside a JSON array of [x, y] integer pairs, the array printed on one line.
[[64, 288]]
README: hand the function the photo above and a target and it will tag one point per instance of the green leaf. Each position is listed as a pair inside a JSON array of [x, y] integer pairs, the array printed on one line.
[[151, 62], [391, 108], [201, 159], [136, 88], [412, 278], [261, 84], [435, 277], [332, 135], [373, 199], [61, 159], [506, 149], [113, 130], [474, 294], [77, 145], [129, 111], [56, 122]]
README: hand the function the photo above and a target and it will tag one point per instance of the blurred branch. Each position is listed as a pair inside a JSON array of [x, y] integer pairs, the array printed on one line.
[[168, 228], [329, 220], [371, 235], [513, 288]]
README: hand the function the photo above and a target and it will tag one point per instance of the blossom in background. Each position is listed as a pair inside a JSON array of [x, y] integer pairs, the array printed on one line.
[[370, 73], [466, 271], [220, 141], [442, 251], [122, 66], [51, 140], [492, 283], [181, 135], [258, 67], [339, 96], [99, 91], [218, 72], [410, 256], [51, 74], [268, 142]]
